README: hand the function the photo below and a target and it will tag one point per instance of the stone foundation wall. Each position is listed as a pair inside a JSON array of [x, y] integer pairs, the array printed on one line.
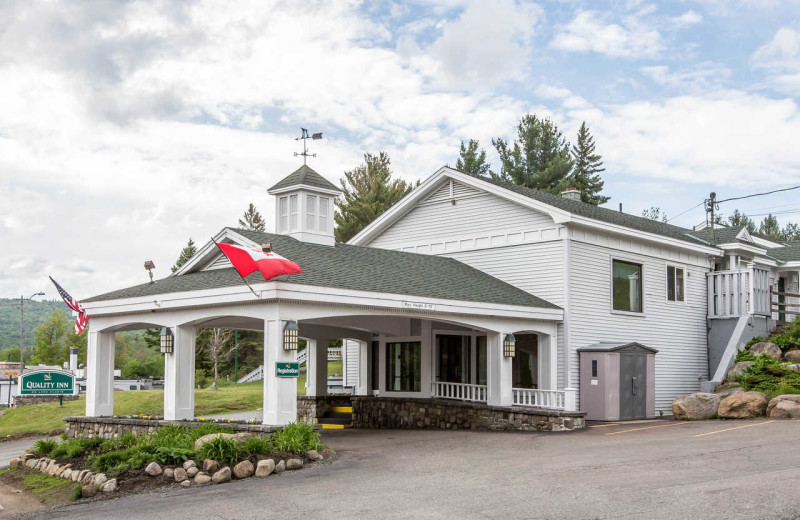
[[24, 400], [405, 413], [312, 407], [113, 427]]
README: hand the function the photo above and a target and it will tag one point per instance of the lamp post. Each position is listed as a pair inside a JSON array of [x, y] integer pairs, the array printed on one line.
[[22, 301]]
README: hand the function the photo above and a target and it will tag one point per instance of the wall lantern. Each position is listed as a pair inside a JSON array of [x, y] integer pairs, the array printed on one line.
[[167, 341], [509, 344], [290, 333]]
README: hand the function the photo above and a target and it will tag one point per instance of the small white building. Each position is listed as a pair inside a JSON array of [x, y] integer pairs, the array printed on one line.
[[425, 296]]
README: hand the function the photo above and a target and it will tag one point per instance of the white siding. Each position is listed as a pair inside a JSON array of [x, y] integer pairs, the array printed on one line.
[[676, 329], [477, 220], [350, 362], [219, 262]]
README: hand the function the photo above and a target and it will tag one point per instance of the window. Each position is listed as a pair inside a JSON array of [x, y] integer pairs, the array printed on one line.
[[525, 363], [284, 215], [675, 289], [627, 279], [293, 212], [323, 214], [594, 368], [454, 355], [403, 367], [311, 212]]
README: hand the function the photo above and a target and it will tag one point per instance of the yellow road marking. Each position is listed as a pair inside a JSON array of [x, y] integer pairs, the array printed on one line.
[[604, 425], [734, 428], [645, 428]]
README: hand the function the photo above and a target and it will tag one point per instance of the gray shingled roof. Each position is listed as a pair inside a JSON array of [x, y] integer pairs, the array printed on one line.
[[722, 235], [355, 267], [306, 176], [593, 212], [790, 253]]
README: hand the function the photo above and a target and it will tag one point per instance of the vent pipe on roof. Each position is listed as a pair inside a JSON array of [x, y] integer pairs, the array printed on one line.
[[620, 207], [571, 193]]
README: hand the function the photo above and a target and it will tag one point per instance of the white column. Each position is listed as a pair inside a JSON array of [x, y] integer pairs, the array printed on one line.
[[364, 362], [317, 367], [179, 375], [280, 393], [427, 345], [498, 371], [100, 374]]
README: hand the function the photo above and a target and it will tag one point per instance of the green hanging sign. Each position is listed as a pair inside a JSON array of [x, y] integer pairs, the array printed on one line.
[[47, 382], [291, 369]]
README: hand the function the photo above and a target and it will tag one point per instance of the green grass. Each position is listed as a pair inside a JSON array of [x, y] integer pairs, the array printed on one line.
[[46, 418], [49, 489]]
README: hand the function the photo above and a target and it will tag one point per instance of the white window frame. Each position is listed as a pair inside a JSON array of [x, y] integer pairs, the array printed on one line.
[[283, 215], [611, 286], [293, 212], [311, 212], [666, 283], [323, 219]]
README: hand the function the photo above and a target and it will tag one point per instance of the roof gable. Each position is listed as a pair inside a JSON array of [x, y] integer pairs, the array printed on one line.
[[304, 176]]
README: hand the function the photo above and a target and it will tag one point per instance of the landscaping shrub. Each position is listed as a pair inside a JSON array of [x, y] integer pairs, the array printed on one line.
[[256, 445], [769, 376], [75, 447], [173, 454], [757, 339], [745, 355], [297, 437], [44, 447], [220, 449], [123, 442]]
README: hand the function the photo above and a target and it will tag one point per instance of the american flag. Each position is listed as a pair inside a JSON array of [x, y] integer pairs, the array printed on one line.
[[83, 318]]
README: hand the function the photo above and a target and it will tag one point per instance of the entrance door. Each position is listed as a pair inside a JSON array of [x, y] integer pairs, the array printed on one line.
[[525, 364], [453, 358], [633, 385]]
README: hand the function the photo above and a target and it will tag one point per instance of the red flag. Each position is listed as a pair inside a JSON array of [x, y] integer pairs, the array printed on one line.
[[248, 261]]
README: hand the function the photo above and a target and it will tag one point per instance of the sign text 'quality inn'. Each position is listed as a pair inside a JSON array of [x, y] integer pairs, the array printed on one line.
[[47, 383]]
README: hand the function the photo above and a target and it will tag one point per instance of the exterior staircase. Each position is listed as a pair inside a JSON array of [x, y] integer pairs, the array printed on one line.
[[339, 418]]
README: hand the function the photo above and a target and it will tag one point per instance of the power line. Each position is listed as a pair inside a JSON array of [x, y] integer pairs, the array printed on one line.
[[685, 212], [759, 194]]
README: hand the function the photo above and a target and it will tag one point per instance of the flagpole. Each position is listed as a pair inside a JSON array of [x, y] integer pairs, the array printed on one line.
[[237, 271]]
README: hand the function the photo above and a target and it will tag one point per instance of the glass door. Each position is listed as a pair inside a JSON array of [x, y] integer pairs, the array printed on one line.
[[525, 364], [453, 358]]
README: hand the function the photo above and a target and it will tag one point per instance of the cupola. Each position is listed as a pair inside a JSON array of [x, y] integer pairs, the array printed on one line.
[[304, 206]]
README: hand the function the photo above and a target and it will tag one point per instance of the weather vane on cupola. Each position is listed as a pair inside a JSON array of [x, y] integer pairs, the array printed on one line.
[[303, 137]]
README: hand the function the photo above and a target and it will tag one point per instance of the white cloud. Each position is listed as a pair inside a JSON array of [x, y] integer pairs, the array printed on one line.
[[698, 78], [686, 19], [590, 31], [780, 53]]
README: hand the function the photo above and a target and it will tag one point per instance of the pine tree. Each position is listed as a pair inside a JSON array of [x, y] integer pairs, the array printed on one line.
[[586, 171], [655, 213], [791, 232], [739, 219], [252, 219], [367, 191], [186, 254], [771, 228], [538, 159], [471, 161]]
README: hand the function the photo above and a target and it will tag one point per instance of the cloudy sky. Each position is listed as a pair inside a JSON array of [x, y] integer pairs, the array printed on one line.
[[128, 127]]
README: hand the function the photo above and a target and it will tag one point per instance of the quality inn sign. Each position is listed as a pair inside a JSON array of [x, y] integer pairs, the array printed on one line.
[[47, 382]]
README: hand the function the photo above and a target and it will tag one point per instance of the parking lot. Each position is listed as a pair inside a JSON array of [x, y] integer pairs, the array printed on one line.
[[652, 469]]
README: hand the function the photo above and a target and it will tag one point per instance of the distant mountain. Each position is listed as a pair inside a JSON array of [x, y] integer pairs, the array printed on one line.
[[36, 311]]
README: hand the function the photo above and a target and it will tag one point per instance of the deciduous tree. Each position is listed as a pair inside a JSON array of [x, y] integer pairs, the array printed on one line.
[[655, 213], [367, 191], [50, 338], [218, 345]]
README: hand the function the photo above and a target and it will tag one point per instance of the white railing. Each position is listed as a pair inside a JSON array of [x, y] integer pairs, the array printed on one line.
[[737, 293], [555, 399], [334, 354], [459, 391], [254, 375]]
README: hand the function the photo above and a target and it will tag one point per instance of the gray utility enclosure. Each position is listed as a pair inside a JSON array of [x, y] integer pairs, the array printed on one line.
[[617, 381]]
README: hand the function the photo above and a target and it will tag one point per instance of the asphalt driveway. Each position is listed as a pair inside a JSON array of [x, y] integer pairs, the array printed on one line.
[[657, 469]]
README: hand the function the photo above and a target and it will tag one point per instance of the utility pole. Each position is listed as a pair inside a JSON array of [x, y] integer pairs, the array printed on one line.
[[711, 206]]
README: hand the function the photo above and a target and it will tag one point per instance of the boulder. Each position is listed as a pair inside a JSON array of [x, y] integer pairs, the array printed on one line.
[[793, 366], [169, 472], [153, 469], [792, 355], [186, 483], [210, 466], [738, 369], [191, 472], [725, 392], [88, 491], [784, 406], [327, 453], [265, 467], [189, 464], [82, 475], [67, 474], [313, 455], [75, 474], [31, 462], [201, 479], [238, 437], [244, 469], [222, 475], [100, 479], [60, 472], [88, 478], [110, 486], [180, 475], [13, 463], [743, 405], [280, 467], [699, 405], [765, 347], [294, 464], [53, 469]]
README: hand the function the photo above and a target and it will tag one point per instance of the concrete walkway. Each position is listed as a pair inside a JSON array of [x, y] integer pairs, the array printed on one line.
[[11, 449], [652, 470], [238, 416]]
